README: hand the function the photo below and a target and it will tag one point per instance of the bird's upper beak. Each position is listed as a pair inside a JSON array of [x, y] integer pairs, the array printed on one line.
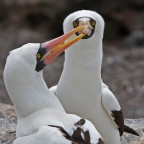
[[48, 51]]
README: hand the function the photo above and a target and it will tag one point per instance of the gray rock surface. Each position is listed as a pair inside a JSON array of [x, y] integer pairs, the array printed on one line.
[[138, 125], [7, 124], [8, 127]]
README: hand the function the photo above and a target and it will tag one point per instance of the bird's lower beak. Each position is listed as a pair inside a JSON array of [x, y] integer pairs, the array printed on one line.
[[53, 48]]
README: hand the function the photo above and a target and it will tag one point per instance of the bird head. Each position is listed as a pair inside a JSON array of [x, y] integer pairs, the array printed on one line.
[[39, 55], [23, 72], [89, 48], [94, 23]]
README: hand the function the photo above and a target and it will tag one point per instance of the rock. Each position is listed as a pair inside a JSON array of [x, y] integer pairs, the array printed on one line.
[[8, 127], [7, 124], [138, 125]]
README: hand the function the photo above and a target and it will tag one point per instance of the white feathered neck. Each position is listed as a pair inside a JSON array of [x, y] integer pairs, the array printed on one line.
[[26, 87], [85, 52]]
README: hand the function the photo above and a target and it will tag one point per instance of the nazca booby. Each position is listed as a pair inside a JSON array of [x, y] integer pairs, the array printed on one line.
[[80, 88], [41, 117]]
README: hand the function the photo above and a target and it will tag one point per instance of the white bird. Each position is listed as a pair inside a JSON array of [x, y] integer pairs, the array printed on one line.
[[80, 88], [41, 117]]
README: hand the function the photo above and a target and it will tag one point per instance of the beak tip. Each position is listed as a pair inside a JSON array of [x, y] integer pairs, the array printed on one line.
[[40, 66]]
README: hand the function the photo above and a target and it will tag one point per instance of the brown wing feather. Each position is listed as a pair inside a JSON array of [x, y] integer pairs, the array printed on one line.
[[119, 120], [100, 141], [76, 137]]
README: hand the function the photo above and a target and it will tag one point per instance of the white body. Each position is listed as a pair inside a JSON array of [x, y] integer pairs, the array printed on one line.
[[80, 88], [36, 107]]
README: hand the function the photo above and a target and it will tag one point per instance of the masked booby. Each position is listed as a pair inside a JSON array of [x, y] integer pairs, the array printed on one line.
[[41, 117], [80, 88]]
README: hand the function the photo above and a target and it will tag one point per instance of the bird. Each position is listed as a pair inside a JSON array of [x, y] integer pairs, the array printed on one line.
[[41, 117], [80, 88]]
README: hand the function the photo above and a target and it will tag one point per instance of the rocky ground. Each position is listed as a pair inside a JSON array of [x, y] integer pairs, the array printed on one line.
[[8, 127], [7, 124]]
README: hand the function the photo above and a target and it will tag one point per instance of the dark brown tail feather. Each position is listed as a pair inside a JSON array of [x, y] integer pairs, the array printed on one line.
[[75, 140], [65, 133], [130, 130]]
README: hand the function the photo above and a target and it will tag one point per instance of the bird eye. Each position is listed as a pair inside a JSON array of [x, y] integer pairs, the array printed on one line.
[[75, 24], [93, 23], [38, 55]]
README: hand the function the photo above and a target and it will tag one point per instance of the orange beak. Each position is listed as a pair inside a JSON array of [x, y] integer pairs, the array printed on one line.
[[51, 49]]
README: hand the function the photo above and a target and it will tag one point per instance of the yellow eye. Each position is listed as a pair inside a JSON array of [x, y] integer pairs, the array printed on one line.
[[38, 55], [75, 24], [93, 23]]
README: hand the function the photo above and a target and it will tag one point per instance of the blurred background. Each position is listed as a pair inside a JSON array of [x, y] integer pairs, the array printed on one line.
[[23, 21]]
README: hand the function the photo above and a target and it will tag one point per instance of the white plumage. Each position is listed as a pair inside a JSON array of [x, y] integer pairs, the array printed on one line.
[[41, 117], [80, 88]]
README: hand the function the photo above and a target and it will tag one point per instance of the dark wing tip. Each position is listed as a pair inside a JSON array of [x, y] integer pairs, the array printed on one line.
[[100, 141], [81, 122], [79, 136], [63, 131], [76, 137], [130, 130], [119, 120]]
